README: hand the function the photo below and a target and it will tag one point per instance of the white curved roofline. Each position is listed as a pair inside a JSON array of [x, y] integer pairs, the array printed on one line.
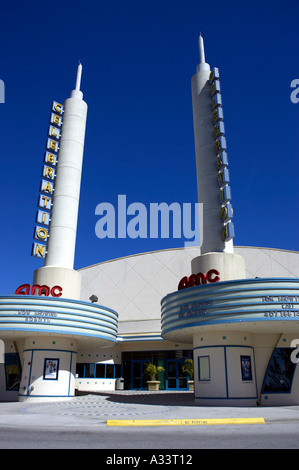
[[181, 248]]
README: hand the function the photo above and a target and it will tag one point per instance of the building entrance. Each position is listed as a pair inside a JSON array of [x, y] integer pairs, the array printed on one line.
[[175, 377], [172, 378], [138, 377]]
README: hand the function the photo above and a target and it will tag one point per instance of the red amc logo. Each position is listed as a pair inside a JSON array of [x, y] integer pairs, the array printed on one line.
[[199, 278], [24, 289]]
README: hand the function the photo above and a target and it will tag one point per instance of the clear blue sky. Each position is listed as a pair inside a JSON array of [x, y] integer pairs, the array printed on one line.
[[138, 59]]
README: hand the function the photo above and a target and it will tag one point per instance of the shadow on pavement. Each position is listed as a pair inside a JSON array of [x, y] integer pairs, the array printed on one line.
[[146, 398]]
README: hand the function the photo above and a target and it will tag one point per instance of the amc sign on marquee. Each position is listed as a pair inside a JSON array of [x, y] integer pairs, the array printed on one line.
[[24, 289]]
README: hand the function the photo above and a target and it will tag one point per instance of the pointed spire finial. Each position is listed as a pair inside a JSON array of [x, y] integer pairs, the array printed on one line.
[[202, 59], [76, 93], [79, 74]]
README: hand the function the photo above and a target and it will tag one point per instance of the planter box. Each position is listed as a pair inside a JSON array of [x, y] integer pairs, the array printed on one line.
[[153, 385], [191, 385]]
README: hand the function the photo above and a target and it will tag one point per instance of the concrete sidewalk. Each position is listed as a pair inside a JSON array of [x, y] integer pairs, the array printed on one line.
[[92, 410]]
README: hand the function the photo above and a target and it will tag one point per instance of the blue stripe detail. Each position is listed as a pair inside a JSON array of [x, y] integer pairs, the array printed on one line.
[[60, 332], [220, 287], [139, 338], [217, 301], [182, 310], [253, 315], [221, 284], [73, 317], [47, 307], [50, 349], [106, 329], [61, 317], [216, 322], [48, 301]]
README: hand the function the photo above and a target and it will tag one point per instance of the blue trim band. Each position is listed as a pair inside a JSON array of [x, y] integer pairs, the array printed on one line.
[[270, 300], [49, 300], [50, 349], [60, 332], [205, 287], [216, 322]]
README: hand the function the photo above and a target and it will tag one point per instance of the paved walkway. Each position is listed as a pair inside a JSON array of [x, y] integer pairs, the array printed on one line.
[[96, 409]]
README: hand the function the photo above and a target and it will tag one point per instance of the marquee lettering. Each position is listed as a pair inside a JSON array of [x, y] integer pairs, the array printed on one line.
[[47, 184], [38, 250], [38, 289], [198, 279], [227, 229]]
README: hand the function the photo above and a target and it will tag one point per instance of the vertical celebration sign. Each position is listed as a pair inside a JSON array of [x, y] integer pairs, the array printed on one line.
[[43, 215], [226, 210]]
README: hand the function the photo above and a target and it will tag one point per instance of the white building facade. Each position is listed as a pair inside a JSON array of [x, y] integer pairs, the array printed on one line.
[[134, 287], [232, 311]]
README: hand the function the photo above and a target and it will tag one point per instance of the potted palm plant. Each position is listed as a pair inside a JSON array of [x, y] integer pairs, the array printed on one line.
[[188, 368], [151, 370]]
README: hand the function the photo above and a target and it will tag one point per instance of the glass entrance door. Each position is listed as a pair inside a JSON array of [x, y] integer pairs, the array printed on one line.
[[182, 376], [175, 377], [171, 375], [138, 378]]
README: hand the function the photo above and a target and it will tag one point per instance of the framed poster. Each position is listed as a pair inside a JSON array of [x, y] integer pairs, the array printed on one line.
[[204, 368], [51, 368], [246, 368]]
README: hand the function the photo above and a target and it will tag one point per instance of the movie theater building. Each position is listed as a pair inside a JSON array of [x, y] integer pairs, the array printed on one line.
[[243, 329], [232, 310]]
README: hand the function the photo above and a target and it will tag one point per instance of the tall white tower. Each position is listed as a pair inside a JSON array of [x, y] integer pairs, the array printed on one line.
[[217, 250], [59, 262]]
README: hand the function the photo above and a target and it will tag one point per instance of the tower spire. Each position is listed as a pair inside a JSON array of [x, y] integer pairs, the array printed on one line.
[[79, 74], [202, 59], [76, 93], [64, 213]]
